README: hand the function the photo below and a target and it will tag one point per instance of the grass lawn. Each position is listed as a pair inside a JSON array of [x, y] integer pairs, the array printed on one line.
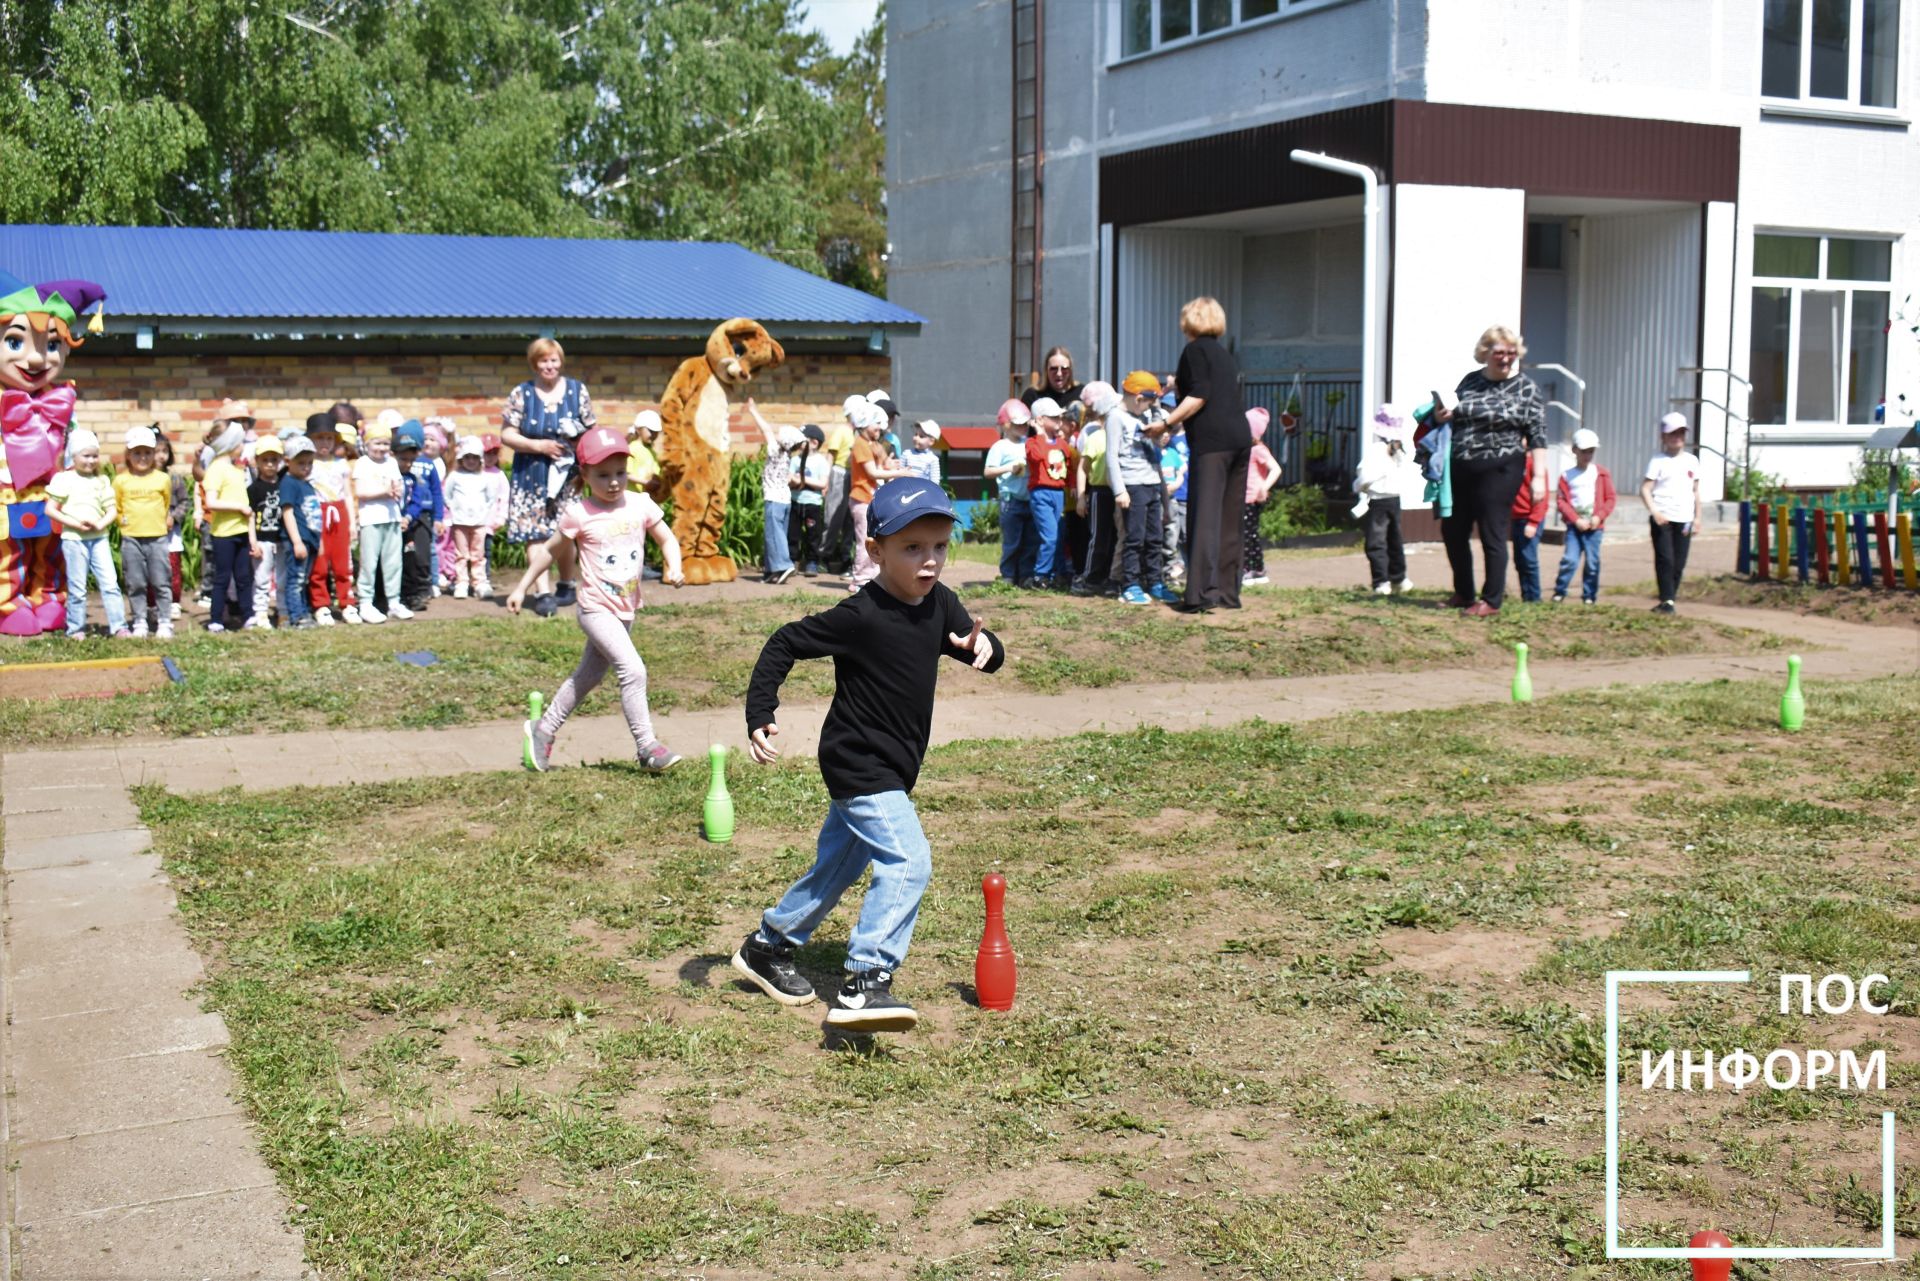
[[1294, 1002], [699, 656]]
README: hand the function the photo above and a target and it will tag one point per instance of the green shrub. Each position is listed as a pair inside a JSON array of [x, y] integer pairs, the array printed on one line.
[[1293, 512]]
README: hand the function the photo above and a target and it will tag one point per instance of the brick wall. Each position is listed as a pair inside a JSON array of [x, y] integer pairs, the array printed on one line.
[[182, 392]]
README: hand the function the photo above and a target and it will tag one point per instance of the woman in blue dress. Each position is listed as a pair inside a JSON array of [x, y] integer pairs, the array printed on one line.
[[543, 418]]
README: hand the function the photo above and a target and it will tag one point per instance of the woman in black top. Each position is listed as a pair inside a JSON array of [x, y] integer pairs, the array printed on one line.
[[1219, 445], [1057, 383], [1501, 419]]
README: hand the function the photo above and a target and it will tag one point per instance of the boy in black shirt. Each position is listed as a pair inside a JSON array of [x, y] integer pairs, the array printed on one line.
[[885, 642], [263, 495]]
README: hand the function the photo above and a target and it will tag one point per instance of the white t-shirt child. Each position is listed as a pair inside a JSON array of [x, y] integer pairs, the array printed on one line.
[[1675, 478]]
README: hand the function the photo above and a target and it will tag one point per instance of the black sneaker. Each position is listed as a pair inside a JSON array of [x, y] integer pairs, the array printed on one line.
[[565, 594], [1665, 607], [867, 1004], [544, 605], [769, 967]]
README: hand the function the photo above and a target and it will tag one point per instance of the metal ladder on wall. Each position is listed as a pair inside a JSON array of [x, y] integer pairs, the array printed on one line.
[[1023, 351]]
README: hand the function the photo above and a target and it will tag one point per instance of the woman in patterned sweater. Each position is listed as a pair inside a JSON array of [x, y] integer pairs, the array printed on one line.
[[1501, 419]]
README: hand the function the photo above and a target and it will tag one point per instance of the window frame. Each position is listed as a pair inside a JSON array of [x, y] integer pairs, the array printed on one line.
[[1117, 13], [1820, 282], [1849, 108]]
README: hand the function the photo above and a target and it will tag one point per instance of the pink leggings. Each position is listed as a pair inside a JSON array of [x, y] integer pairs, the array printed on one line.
[[609, 644], [469, 562], [864, 570]]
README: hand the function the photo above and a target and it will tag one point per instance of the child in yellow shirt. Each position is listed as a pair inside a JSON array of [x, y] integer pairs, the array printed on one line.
[[144, 494]]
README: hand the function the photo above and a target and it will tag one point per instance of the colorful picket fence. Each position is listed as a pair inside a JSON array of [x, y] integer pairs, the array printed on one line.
[[1842, 544]]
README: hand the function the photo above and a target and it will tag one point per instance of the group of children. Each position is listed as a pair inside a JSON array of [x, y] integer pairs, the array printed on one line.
[[1110, 460], [1583, 494], [344, 521]]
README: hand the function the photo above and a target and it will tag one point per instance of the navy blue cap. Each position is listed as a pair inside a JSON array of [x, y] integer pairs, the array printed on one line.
[[899, 503], [410, 435]]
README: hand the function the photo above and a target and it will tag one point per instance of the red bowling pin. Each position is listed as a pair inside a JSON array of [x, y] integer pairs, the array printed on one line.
[[1711, 1269], [993, 975]]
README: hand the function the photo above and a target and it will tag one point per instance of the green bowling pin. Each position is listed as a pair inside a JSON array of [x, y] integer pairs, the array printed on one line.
[[1793, 707], [716, 818], [1522, 683]]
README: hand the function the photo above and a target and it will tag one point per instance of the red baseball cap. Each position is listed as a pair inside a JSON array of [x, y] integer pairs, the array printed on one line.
[[600, 444]]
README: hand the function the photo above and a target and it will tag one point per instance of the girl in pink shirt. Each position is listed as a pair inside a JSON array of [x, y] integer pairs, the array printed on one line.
[[1263, 473], [607, 527]]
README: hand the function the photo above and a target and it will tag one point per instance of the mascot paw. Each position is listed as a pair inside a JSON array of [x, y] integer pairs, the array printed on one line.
[[721, 569], [695, 569]]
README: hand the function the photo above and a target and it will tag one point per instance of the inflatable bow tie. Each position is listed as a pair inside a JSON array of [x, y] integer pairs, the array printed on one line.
[[34, 429]]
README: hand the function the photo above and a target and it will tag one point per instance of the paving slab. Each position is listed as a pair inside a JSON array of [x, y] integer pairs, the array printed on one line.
[[65, 1177], [143, 964], [131, 1032], [52, 886], [92, 1097], [28, 770], [79, 820], [234, 1236], [90, 847], [109, 796], [106, 906]]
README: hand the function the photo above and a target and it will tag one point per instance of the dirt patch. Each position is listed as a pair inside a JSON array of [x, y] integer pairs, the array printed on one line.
[[602, 941], [1467, 957], [1430, 1254], [1871, 606], [49, 680]]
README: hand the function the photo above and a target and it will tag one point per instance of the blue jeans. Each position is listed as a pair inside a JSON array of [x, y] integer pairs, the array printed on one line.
[[292, 582], [778, 558], [1579, 541], [1018, 548], [1047, 506], [92, 556], [881, 830], [1526, 559]]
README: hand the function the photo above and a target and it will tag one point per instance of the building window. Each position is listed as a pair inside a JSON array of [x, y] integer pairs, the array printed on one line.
[[1818, 356], [1146, 25], [1838, 53]]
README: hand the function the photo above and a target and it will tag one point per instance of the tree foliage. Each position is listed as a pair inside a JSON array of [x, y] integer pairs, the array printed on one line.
[[679, 119]]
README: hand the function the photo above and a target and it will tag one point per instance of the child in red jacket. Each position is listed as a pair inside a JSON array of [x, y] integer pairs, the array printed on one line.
[[1529, 518], [1586, 500]]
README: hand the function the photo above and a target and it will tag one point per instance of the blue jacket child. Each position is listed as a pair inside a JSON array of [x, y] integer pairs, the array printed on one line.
[[423, 512]]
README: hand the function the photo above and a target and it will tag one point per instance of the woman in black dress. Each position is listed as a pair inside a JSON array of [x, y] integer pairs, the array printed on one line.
[[1208, 386], [1501, 419]]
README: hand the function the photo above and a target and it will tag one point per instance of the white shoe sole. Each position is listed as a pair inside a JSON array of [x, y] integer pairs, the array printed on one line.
[[892, 1019], [746, 972]]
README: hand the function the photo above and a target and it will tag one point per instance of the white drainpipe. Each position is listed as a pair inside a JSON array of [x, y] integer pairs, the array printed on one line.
[[1369, 268]]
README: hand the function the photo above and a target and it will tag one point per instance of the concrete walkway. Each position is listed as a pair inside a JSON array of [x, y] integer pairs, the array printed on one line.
[[129, 1155]]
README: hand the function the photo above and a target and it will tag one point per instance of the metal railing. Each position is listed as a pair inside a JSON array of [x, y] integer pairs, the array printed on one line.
[[1314, 431]]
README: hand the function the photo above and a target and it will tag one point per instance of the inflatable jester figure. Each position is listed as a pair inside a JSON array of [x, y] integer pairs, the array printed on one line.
[[37, 327]]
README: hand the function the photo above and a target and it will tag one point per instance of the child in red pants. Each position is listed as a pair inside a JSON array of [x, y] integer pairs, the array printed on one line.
[[333, 558]]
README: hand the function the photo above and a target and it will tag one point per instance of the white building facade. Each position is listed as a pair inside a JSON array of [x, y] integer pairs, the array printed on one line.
[[1693, 204]]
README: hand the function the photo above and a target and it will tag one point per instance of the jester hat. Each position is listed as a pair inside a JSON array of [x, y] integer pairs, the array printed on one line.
[[61, 300]]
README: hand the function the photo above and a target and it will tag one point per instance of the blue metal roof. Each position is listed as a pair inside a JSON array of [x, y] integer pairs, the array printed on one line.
[[419, 283]]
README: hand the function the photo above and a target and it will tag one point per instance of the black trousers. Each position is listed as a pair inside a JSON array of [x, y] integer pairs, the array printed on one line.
[[1386, 556], [1216, 500], [803, 533], [1143, 552], [1671, 543], [1100, 538], [416, 564], [1076, 532], [1483, 490]]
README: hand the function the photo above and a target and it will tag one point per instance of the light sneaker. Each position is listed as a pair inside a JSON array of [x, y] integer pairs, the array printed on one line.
[[139, 630], [399, 611], [1135, 595], [867, 1004], [459, 591], [173, 610], [351, 614], [436, 589], [323, 617], [535, 747], [483, 589], [1383, 589], [1254, 580], [769, 967], [658, 757], [216, 628], [1404, 586], [368, 614], [163, 632]]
